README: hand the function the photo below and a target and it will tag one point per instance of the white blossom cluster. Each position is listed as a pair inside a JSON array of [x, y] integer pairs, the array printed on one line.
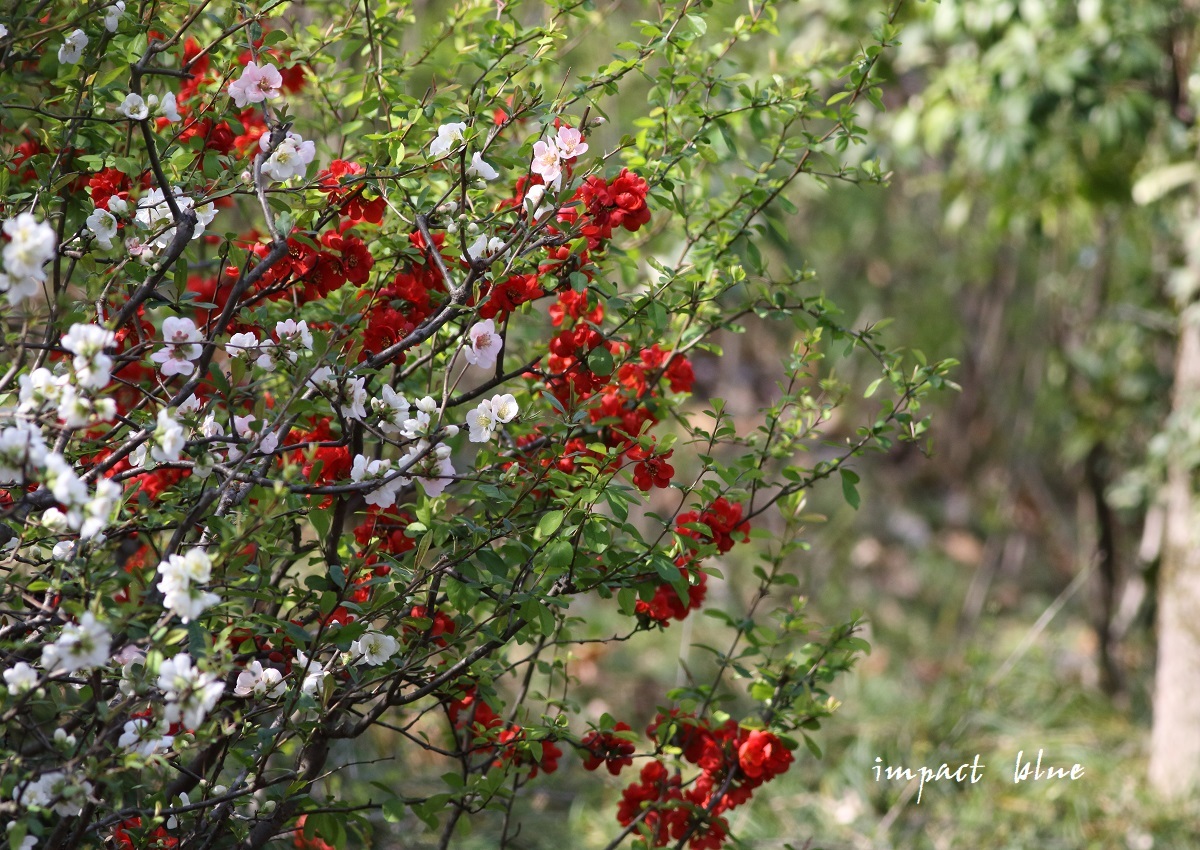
[[57, 790], [295, 340], [79, 645], [290, 159], [259, 681], [31, 244], [190, 693], [182, 578], [153, 215]]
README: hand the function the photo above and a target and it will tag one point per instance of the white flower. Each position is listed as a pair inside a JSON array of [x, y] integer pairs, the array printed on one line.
[[186, 603], [189, 405], [356, 399], [504, 407], [20, 677], [546, 162], [256, 85], [190, 694], [72, 49], [153, 212], [103, 225], [3, 30], [489, 415], [60, 479], [570, 143], [244, 427], [480, 168], [99, 509], [314, 679], [134, 107], [481, 422], [56, 789], [168, 108], [322, 379], [485, 345], [241, 343], [182, 347], [55, 520], [445, 474], [373, 648], [290, 159], [259, 681], [264, 359], [31, 245], [383, 496], [142, 738], [180, 575], [293, 335], [117, 206], [447, 135], [194, 568], [168, 439], [478, 248], [78, 411], [112, 15], [93, 368], [392, 409], [533, 199], [22, 449], [79, 645], [40, 387]]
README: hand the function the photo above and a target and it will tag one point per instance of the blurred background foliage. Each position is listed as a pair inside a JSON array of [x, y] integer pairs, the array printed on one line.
[[1008, 577]]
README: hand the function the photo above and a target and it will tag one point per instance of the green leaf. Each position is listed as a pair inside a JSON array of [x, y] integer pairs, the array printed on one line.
[[549, 524], [600, 361], [849, 490]]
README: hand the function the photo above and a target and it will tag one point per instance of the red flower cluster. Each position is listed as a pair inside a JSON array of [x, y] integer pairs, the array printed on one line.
[[608, 749], [733, 763], [385, 526], [350, 202], [159, 838], [724, 519], [108, 183], [441, 624], [618, 203], [517, 751], [655, 362], [652, 469], [666, 605], [509, 294], [319, 464]]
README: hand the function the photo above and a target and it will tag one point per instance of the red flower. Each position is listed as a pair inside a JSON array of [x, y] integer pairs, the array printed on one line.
[[763, 756], [621, 203], [652, 469], [441, 624], [515, 750], [302, 843], [606, 748], [723, 519]]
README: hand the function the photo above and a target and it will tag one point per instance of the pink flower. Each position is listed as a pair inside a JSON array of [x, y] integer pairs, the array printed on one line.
[[546, 162], [485, 345], [181, 338], [255, 85], [570, 143]]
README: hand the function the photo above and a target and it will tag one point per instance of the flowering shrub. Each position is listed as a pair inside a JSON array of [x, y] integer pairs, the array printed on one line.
[[325, 387]]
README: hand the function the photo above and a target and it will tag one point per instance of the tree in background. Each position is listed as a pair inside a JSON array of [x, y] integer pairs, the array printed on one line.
[[347, 372], [1061, 138]]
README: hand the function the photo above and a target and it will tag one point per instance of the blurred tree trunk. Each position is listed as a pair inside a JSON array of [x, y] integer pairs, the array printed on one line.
[[1175, 740]]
